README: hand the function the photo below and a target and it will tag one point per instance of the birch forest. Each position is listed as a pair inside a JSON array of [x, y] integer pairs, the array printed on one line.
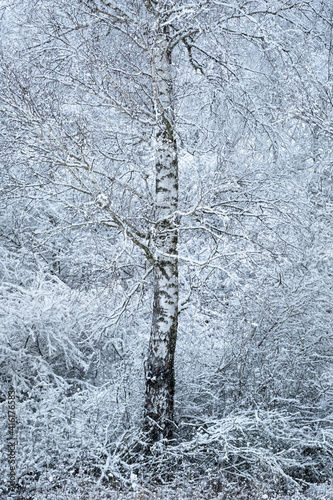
[[166, 249]]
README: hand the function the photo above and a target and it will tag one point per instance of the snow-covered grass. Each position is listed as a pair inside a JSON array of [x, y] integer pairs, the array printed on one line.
[[82, 487]]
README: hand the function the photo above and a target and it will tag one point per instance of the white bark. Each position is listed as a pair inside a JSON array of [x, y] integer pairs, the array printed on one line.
[[160, 379]]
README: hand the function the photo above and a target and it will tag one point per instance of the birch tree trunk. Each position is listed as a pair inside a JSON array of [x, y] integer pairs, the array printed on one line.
[[160, 377]]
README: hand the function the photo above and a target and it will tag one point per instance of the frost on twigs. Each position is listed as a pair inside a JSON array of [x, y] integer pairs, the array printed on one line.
[[267, 444], [102, 200]]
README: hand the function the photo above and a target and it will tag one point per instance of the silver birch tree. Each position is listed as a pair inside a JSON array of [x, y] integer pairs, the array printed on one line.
[[155, 31], [160, 377]]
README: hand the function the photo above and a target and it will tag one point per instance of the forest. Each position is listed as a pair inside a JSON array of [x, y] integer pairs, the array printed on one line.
[[166, 243]]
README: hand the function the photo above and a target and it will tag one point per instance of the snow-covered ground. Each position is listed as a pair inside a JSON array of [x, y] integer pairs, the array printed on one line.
[[85, 489]]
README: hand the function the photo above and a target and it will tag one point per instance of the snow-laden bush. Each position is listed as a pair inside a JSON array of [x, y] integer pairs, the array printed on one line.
[[75, 389], [276, 448], [266, 444]]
